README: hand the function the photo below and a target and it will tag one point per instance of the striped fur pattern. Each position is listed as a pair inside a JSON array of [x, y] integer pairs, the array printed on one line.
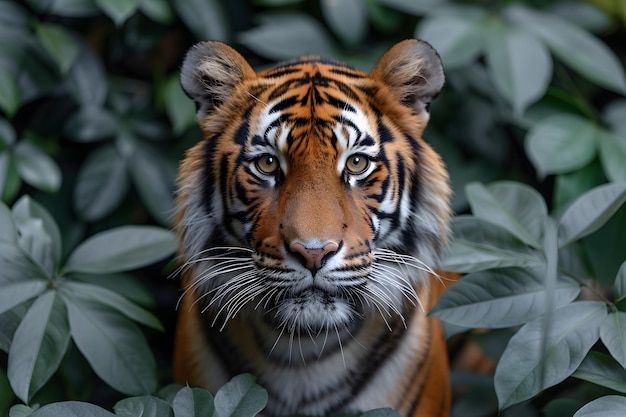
[[308, 218]]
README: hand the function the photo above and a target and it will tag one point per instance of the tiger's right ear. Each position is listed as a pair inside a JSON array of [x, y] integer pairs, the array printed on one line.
[[210, 72]]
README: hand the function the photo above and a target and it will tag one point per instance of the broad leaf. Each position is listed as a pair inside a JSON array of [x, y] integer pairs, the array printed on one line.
[[118, 10], [37, 168], [26, 209], [240, 397], [457, 39], [71, 409], [283, 36], [87, 79], [590, 211], [121, 249], [601, 369], [500, 298], [90, 123], [179, 108], [101, 184], [9, 92], [113, 345], [561, 143], [205, 18], [15, 293], [38, 346], [416, 7], [98, 295], [542, 354], [10, 182], [193, 402], [613, 155], [613, 335], [620, 282], [347, 19], [520, 65], [608, 406], [17, 266], [574, 46], [143, 407], [158, 10], [514, 206], [615, 115], [7, 228], [480, 245], [129, 285], [62, 45]]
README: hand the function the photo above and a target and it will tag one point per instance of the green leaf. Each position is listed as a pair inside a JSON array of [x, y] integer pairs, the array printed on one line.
[[620, 282], [60, 43], [87, 80], [613, 155], [193, 402], [154, 177], [520, 65], [98, 295], [158, 10], [613, 335], [118, 10], [537, 357], [71, 409], [240, 397], [36, 168], [415, 7], [561, 143], [143, 407], [205, 18], [516, 207], [9, 92], [8, 232], [590, 211], [7, 134], [288, 35], [10, 181], [120, 249], [91, 123], [101, 184], [39, 344], [457, 39], [601, 369], [615, 115], [608, 406], [500, 298], [16, 293], [346, 18], [21, 410], [480, 245], [113, 345], [17, 266], [585, 53], [130, 286], [26, 209], [179, 108]]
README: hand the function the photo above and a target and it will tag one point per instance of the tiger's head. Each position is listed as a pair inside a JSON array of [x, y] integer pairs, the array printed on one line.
[[312, 202]]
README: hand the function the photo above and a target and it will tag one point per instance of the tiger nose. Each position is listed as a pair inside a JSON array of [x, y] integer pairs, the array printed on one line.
[[313, 258]]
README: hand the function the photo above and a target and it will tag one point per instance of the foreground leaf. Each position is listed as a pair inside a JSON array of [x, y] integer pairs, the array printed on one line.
[[38, 346], [240, 397], [113, 345], [16, 266], [601, 369], [193, 402], [590, 211], [537, 357], [613, 155], [15, 293], [7, 228], [620, 283], [608, 406], [143, 407], [121, 249], [613, 335], [71, 409], [500, 298]]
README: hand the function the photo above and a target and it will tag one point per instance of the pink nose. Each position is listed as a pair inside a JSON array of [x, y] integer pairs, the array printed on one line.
[[314, 258]]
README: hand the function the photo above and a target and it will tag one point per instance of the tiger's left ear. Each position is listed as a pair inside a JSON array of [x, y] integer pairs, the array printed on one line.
[[412, 70]]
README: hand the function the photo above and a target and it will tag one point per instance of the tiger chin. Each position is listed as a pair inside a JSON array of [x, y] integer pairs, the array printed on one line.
[[309, 218]]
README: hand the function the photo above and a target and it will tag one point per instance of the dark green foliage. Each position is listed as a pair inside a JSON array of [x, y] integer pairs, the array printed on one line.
[[93, 123]]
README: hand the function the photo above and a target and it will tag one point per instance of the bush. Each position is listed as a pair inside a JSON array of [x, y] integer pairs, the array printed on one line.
[[93, 122]]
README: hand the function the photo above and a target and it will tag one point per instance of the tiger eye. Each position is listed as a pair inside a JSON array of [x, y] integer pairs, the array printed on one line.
[[357, 164], [267, 164]]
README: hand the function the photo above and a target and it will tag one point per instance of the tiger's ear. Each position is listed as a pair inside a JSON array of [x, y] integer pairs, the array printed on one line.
[[412, 70], [210, 72]]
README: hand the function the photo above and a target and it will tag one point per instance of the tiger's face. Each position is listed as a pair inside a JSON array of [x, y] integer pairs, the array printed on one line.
[[312, 202]]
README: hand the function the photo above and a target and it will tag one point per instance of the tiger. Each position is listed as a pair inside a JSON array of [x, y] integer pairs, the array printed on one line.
[[309, 217]]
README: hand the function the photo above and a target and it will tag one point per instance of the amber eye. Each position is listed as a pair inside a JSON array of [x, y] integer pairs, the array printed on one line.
[[357, 164], [267, 164]]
